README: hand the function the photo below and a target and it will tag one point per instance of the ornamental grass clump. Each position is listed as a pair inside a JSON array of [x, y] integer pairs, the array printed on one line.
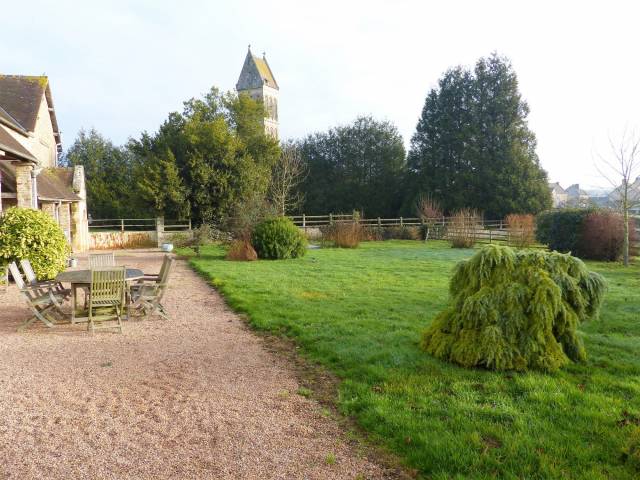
[[515, 311]]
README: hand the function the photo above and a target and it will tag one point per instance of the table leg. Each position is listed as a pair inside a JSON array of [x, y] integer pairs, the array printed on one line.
[[74, 302]]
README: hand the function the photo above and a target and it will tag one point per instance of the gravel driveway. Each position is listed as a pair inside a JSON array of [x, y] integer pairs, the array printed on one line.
[[198, 397]]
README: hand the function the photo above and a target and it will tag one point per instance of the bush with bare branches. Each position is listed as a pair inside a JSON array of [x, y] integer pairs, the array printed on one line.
[[429, 212], [603, 236]]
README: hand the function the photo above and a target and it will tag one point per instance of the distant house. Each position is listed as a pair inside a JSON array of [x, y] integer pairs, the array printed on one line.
[[558, 195], [576, 196], [30, 146], [615, 196]]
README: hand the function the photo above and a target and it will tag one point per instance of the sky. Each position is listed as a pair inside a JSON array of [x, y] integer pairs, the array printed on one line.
[[121, 66]]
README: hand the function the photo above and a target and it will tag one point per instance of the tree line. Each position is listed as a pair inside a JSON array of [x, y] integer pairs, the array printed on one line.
[[472, 148]]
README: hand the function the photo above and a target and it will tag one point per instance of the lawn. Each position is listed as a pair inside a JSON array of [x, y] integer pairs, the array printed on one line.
[[360, 313]]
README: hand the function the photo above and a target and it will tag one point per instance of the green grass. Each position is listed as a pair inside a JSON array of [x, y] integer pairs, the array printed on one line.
[[360, 314]]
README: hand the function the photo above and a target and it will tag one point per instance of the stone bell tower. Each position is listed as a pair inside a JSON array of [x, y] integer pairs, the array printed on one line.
[[257, 80]]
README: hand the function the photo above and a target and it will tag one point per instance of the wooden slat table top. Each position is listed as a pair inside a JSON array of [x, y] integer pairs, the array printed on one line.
[[84, 276]]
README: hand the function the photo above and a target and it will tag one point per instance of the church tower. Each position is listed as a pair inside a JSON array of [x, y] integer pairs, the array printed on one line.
[[257, 80]]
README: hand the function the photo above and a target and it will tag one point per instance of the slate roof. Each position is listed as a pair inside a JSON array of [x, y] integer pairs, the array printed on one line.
[[555, 187], [575, 191], [56, 184], [255, 74], [11, 146], [20, 97]]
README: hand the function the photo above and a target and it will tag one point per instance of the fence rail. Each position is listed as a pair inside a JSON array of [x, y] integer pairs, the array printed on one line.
[[138, 224]]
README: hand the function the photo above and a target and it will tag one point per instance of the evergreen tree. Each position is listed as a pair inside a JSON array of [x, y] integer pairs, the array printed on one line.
[[359, 166], [215, 152], [108, 172], [473, 147]]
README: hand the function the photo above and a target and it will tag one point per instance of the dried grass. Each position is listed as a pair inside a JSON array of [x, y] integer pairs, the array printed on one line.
[[344, 234], [461, 230], [241, 250], [521, 230]]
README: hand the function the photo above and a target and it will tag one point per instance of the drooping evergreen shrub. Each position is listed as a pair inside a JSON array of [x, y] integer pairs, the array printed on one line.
[[33, 235], [515, 310], [561, 230], [278, 238]]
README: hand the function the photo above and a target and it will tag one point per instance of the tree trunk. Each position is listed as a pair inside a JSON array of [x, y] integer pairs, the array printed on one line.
[[625, 241]]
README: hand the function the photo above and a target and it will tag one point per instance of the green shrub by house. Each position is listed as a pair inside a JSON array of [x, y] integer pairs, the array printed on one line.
[[34, 235], [278, 238], [515, 310], [561, 230]]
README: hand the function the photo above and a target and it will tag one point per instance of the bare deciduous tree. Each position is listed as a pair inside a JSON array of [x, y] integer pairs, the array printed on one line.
[[620, 169], [288, 173]]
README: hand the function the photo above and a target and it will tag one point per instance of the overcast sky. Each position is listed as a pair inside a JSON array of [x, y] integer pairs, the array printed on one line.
[[121, 66]]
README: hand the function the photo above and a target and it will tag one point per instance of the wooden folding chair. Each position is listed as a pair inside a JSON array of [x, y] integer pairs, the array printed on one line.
[[146, 297], [107, 298], [41, 302], [102, 260], [46, 285]]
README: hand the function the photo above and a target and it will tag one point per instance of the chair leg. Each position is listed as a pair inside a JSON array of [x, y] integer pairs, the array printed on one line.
[[37, 315], [162, 312]]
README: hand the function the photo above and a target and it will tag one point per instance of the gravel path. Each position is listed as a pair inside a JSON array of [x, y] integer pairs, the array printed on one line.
[[197, 397]]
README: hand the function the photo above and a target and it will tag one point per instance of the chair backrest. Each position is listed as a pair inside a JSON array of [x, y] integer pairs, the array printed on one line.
[[102, 260], [28, 272], [163, 277], [167, 262], [107, 286], [17, 276]]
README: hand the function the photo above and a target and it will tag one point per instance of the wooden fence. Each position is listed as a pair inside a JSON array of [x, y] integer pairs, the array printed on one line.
[[484, 231], [138, 224]]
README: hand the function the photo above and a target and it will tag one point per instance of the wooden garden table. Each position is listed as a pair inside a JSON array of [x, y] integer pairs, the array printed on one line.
[[82, 279]]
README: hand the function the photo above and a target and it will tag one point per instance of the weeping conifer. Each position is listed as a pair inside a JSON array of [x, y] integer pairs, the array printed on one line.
[[515, 311]]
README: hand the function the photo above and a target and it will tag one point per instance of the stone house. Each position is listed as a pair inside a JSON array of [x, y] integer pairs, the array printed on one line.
[[577, 196], [559, 196], [30, 147]]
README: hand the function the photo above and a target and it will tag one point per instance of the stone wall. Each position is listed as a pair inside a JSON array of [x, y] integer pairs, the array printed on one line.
[[118, 240], [64, 219], [41, 143], [23, 186]]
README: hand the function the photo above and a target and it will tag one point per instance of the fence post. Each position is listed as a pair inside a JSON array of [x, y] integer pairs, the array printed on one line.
[[304, 221], [489, 236], [159, 230], [379, 222], [331, 219], [189, 224], [122, 225], [401, 223]]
